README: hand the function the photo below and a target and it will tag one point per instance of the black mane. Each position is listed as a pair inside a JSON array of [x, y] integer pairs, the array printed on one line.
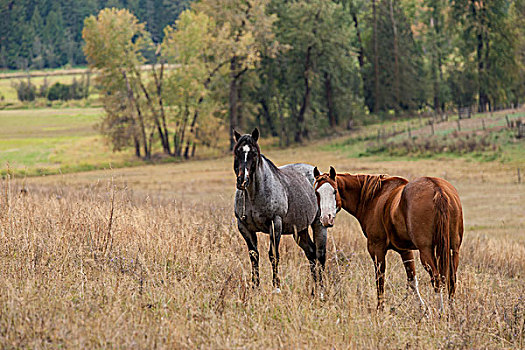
[[270, 163]]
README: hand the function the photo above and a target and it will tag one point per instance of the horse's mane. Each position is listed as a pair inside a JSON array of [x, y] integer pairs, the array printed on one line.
[[274, 167], [370, 185]]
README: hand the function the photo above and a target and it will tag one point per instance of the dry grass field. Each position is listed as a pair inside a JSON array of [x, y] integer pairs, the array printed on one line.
[[150, 257]]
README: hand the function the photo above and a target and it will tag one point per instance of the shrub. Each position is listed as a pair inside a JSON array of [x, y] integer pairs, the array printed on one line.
[[65, 92], [453, 143], [25, 91]]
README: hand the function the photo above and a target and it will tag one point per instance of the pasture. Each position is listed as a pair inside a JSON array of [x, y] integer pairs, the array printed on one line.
[[8, 94], [44, 141], [150, 256]]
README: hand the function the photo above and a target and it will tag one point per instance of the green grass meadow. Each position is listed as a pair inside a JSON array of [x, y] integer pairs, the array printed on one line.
[[484, 137], [48, 137], [46, 141]]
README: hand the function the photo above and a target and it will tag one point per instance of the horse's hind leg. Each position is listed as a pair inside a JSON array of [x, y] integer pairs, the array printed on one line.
[[455, 262], [429, 263], [251, 241], [454, 246], [273, 253], [320, 233], [408, 261], [307, 245]]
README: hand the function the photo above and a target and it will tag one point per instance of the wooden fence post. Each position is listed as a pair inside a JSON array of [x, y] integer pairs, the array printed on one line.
[[459, 125]]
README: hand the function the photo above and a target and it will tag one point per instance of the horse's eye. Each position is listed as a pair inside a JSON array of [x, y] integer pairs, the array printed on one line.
[[335, 192]]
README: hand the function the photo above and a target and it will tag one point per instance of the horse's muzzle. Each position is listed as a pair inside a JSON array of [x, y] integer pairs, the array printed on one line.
[[327, 220], [242, 183]]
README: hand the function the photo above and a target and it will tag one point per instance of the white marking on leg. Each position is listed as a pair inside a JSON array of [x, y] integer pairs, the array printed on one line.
[[441, 306], [414, 285], [277, 291]]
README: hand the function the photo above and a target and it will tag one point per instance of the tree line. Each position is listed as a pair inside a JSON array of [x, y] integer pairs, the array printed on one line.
[[299, 69], [36, 34]]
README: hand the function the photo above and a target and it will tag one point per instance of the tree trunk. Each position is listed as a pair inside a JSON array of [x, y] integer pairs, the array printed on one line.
[[484, 93], [268, 117], [301, 131], [284, 134], [133, 102], [88, 83], [396, 58], [437, 65], [137, 146], [332, 113], [183, 129], [158, 83], [376, 57], [240, 120], [156, 119], [187, 150], [479, 57], [233, 101], [360, 53], [149, 145]]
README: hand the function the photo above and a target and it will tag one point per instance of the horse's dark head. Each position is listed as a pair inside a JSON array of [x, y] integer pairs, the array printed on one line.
[[247, 155], [328, 197]]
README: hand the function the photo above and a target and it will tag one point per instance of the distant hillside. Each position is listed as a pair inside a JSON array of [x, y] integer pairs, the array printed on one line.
[[40, 34]]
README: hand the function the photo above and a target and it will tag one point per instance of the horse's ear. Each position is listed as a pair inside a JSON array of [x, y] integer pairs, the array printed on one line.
[[316, 173], [332, 173], [236, 135], [255, 134]]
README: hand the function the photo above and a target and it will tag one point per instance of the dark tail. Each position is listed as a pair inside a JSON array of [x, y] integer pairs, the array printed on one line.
[[441, 238]]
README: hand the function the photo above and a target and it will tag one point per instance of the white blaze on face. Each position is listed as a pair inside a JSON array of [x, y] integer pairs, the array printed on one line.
[[327, 203], [246, 150]]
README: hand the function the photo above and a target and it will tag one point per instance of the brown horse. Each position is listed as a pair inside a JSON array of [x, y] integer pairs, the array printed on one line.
[[424, 214]]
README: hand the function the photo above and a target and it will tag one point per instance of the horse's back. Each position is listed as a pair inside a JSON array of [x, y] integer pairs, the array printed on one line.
[[302, 204], [424, 187], [306, 170]]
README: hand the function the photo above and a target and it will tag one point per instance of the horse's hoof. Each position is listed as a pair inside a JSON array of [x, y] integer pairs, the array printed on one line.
[[277, 291], [321, 296]]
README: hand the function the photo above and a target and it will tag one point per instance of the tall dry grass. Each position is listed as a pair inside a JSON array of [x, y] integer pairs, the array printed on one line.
[[100, 265]]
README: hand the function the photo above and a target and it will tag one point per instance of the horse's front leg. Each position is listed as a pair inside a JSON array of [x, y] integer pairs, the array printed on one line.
[[275, 237], [251, 241], [377, 253]]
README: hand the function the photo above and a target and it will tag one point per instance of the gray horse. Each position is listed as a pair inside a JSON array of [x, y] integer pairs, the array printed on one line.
[[276, 201]]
